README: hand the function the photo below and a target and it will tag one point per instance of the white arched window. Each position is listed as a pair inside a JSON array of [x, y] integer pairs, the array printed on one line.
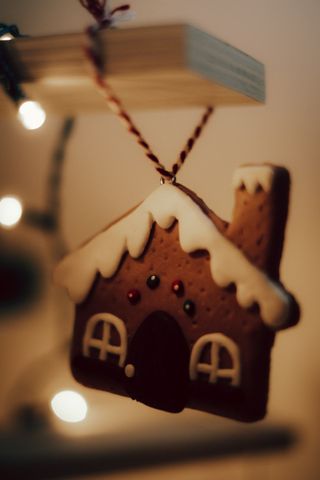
[[216, 341], [104, 346]]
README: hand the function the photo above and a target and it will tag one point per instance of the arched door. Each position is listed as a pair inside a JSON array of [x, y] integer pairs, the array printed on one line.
[[157, 364]]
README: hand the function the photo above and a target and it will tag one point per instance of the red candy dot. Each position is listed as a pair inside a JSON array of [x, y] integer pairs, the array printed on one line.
[[177, 287], [134, 296]]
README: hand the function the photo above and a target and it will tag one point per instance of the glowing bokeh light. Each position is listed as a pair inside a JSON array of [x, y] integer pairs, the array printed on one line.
[[6, 36], [69, 406], [31, 114], [10, 211]]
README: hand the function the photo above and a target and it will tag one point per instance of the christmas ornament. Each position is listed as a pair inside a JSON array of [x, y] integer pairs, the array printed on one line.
[[209, 346], [175, 307]]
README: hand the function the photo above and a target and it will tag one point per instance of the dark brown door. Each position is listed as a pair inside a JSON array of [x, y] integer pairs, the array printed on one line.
[[160, 356]]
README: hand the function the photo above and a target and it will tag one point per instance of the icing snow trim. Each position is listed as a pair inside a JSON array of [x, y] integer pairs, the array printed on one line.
[[103, 253], [252, 177]]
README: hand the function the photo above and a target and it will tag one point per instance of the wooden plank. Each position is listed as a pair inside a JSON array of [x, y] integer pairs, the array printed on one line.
[[149, 67], [44, 454]]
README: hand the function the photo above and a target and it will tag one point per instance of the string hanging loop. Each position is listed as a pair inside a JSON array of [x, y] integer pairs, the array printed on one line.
[[98, 9], [103, 15]]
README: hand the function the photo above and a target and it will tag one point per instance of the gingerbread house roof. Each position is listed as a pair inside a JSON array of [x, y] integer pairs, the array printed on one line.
[[165, 205]]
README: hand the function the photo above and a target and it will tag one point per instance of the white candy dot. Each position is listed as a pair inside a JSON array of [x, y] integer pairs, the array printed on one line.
[[129, 370]]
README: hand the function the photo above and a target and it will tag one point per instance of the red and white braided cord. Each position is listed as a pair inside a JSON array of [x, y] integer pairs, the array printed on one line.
[[117, 107]]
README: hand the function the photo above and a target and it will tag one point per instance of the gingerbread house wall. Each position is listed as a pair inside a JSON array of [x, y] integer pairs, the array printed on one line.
[[216, 310], [259, 221]]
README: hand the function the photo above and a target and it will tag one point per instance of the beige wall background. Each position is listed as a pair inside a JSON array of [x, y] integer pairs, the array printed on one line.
[[106, 174]]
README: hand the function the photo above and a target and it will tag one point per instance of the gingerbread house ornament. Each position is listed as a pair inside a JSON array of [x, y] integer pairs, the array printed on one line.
[[177, 308]]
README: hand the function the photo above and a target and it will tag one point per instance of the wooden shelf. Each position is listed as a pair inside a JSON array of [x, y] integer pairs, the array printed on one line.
[[44, 454], [149, 67]]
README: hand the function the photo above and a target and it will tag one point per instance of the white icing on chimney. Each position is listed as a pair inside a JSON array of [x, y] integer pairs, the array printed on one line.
[[252, 177], [228, 264]]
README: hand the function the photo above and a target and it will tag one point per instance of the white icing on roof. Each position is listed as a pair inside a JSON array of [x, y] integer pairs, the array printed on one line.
[[253, 176], [228, 264]]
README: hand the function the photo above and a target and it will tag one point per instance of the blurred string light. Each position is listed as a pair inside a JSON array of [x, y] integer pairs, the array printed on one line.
[[6, 36], [10, 211], [47, 220], [69, 406], [8, 32], [30, 113]]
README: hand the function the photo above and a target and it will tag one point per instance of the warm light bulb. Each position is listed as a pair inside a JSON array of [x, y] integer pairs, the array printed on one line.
[[69, 406], [10, 211], [6, 36], [31, 114]]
